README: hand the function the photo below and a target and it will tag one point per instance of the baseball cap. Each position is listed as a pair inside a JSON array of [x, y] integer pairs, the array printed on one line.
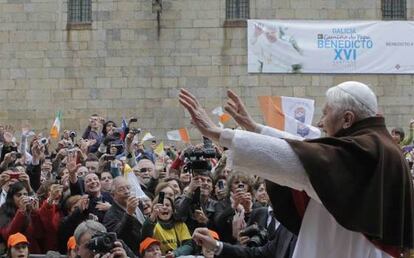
[[147, 243], [16, 239], [71, 243]]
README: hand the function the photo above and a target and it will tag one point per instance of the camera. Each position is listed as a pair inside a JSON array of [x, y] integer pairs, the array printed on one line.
[[72, 134], [135, 130], [197, 157], [43, 141], [257, 234], [102, 242]]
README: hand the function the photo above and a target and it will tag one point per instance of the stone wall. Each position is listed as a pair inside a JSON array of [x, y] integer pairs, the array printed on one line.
[[120, 66]]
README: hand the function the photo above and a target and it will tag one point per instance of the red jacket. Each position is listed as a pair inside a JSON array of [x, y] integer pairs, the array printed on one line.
[[50, 217], [29, 225]]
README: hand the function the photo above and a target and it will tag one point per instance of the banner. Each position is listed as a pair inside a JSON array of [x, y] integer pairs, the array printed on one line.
[[289, 114], [295, 46]]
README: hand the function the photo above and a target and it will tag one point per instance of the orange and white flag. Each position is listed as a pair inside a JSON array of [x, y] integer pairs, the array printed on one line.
[[289, 114], [54, 131], [179, 135]]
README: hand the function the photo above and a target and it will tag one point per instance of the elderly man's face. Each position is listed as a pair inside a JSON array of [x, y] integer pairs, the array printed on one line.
[[330, 122], [81, 249], [144, 170]]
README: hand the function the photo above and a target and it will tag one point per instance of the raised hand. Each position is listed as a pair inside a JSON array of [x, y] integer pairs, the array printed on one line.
[[238, 111], [199, 116]]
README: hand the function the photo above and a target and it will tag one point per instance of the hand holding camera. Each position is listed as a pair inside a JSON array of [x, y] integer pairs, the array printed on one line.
[[200, 217], [156, 209], [55, 194], [106, 245]]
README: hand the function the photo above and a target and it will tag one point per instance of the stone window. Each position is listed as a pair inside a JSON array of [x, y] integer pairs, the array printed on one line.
[[237, 9], [79, 13], [394, 9]]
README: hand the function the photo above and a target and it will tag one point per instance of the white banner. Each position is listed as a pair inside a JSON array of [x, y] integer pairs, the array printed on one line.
[[295, 46]]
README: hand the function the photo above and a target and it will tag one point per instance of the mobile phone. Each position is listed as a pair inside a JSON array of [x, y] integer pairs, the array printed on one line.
[[221, 184], [109, 157], [133, 120], [18, 155], [161, 197]]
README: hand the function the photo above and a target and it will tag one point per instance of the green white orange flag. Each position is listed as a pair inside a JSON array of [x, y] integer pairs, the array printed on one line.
[[224, 117], [54, 131], [289, 114], [147, 136], [179, 135]]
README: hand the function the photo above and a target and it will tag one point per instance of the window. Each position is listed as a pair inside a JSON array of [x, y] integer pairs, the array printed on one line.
[[394, 9], [79, 11], [237, 9]]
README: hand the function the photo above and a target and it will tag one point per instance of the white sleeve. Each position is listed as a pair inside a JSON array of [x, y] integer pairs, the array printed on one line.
[[270, 131], [268, 157]]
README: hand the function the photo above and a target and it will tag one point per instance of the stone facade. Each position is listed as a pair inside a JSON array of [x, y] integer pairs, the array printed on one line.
[[120, 66]]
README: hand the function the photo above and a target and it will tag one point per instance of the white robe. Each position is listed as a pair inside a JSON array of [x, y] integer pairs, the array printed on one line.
[[272, 158]]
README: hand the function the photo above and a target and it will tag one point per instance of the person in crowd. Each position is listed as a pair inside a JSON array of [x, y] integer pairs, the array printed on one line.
[[173, 235], [88, 230], [92, 163], [333, 208], [399, 136], [261, 198], [99, 202], [166, 189], [106, 181], [122, 217], [76, 207], [232, 213], [196, 207], [17, 246], [82, 172], [108, 128], [94, 132], [150, 248], [20, 214], [146, 206], [175, 184], [147, 176], [50, 216], [71, 247]]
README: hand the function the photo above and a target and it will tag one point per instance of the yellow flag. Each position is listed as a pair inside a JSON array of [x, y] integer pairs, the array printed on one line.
[[159, 150]]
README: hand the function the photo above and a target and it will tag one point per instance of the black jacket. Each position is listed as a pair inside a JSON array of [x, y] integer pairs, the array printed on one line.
[[184, 208], [127, 227], [67, 227]]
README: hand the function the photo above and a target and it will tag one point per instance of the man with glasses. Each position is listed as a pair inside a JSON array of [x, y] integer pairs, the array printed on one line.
[[147, 176], [124, 217]]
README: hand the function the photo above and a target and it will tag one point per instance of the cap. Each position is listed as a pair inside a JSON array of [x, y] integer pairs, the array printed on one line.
[[362, 93], [16, 239], [147, 243], [214, 234], [71, 243]]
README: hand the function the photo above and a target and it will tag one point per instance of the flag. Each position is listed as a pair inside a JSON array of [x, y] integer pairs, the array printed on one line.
[[224, 117], [54, 131], [147, 136], [159, 150], [124, 127], [179, 135], [293, 115]]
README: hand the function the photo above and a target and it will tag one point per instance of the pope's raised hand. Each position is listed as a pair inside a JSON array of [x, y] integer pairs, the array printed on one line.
[[199, 116], [238, 111]]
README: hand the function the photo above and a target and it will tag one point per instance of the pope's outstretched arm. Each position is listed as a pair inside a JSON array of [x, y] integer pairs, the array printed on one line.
[[268, 157]]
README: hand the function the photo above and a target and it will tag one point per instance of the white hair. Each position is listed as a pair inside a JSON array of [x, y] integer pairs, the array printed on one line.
[[89, 226], [352, 96]]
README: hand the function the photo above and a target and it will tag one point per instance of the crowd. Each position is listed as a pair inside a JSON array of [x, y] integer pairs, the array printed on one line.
[[109, 193], [107, 180]]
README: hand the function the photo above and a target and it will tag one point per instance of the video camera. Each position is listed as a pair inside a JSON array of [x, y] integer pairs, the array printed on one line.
[[197, 157]]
